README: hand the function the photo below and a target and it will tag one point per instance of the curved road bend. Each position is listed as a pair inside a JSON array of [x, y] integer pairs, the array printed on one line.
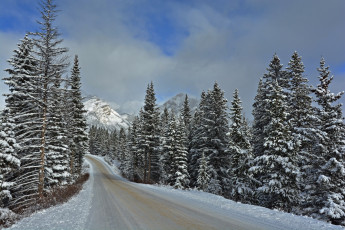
[[119, 204]]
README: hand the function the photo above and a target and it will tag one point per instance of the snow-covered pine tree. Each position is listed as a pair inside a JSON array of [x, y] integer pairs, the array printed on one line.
[[57, 171], [169, 151], [139, 154], [24, 105], [260, 110], [155, 159], [276, 168], [260, 120], [138, 148], [180, 175], [149, 135], [329, 196], [52, 63], [186, 114], [8, 156], [210, 126], [105, 142], [113, 144], [122, 145], [303, 123], [127, 161], [78, 127], [197, 141], [133, 148], [92, 136], [165, 147], [240, 151], [203, 174], [218, 128]]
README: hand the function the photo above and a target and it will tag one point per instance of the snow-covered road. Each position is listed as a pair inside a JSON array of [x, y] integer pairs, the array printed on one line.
[[123, 205], [110, 202]]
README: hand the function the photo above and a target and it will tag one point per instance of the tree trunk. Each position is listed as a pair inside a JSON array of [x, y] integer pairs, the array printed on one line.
[[149, 168], [72, 162], [43, 142], [145, 167]]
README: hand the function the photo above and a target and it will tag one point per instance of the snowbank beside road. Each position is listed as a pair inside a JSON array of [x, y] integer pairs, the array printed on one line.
[[70, 215], [218, 204], [221, 205], [74, 214]]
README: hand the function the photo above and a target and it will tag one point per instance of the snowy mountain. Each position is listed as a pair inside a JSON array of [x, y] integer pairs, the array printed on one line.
[[175, 104], [100, 113]]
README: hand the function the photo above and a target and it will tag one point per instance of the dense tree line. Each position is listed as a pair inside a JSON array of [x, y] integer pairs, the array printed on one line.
[[43, 134], [291, 158]]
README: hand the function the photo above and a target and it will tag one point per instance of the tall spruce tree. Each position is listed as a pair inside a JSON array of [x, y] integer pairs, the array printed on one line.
[[210, 126], [303, 127], [186, 114], [329, 197], [24, 105], [203, 174], [260, 120], [57, 152], [240, 151], [166, 156], [52, 64], [180, 172], [198, 141], [78, 127], [136, 150], [8, 156], [149, 135], [261, 115], [276, 168], [218, 129]]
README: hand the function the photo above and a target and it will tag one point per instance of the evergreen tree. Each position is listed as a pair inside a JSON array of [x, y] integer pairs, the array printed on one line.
[[240, 154], [180, 176], [203, 176], [260, 120], [78, 127], [166, 156], [57, 152], [209, 130], [218, 129], [127, 158], [149, 135], [8, 156], [122, 145], [260, 107], [92, 137], [186, 114], [303, 123], [114, 142], [24, 103], [277, 168], [198, 141], [329, 195], [52, 63]]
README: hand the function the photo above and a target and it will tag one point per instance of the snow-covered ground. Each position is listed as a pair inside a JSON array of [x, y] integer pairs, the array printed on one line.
[[70, 215], [74, 214], [228, 207], [219, 204]]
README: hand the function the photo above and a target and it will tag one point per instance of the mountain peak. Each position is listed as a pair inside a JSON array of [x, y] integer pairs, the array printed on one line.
[[100, 114], [175, 104]]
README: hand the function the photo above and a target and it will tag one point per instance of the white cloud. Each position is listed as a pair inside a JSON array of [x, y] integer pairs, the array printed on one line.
[[216, 43]]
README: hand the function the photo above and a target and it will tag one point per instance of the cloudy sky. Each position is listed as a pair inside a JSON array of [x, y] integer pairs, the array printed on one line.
[[184, 45]]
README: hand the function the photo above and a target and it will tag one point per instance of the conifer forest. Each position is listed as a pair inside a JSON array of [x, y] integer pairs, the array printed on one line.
[[43, 135], [288, 156]]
